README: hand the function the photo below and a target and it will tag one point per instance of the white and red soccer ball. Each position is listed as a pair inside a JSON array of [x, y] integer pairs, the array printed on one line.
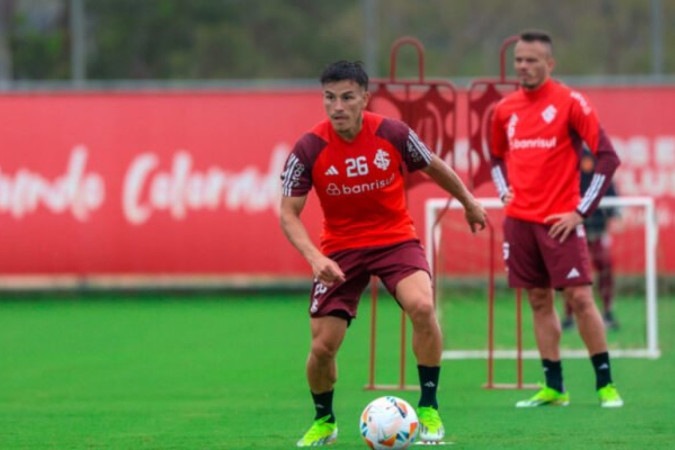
[[389, 423]]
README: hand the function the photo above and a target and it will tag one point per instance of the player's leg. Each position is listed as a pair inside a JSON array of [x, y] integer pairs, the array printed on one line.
[[569, 264], [527, 269], [589, 320], [331, 311], [547, 332], [570, 268], [592, 331], [404, 270], [327, 332], [327, 335], [545, 321], [414, 294]]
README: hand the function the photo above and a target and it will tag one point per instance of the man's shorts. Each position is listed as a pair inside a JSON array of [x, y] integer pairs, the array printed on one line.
[[534, 259], [390, 263]]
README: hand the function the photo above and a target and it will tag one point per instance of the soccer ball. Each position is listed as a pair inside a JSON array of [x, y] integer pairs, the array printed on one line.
[[389, 423]]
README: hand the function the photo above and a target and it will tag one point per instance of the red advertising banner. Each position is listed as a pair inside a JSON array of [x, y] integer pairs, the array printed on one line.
[[146, 183], [166, 183]]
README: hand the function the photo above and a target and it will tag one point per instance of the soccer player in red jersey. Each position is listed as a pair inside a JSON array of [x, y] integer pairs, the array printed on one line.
[[355, 161], [537, 136]]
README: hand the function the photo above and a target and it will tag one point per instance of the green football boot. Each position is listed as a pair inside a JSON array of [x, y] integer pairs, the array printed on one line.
[[319, 434], [431, 425], [609, 397], [545, 396]]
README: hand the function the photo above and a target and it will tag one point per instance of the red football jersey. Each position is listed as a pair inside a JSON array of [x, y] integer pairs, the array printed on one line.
[[360, 184], [539, 135]]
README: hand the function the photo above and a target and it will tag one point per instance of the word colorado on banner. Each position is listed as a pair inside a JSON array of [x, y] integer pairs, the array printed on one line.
[[146, 190], [166, 183]]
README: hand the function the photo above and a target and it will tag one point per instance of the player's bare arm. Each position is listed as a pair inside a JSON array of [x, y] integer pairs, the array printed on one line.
[[563, 224], [445, 177], [324, 269]]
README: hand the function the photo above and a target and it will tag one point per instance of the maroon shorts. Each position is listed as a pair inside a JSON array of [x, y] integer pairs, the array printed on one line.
[[390, 263], [534, 259]]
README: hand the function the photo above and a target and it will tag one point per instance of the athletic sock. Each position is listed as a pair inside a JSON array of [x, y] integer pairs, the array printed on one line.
[[553, 373], [603, 370], [428, 385], [323, 403]]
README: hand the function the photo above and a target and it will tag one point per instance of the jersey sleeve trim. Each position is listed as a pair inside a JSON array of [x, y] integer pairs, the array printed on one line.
[[593, 192], [499, 180], [418, 149], [296, 178], [288, 180]]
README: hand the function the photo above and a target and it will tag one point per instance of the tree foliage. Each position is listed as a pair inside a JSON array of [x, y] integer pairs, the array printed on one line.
[[271, 39]]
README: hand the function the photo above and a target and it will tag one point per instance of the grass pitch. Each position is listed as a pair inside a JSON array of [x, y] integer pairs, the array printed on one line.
[[226, 371]]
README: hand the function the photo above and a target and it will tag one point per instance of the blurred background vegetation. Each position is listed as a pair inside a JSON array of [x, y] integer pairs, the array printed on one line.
[[80, 41]]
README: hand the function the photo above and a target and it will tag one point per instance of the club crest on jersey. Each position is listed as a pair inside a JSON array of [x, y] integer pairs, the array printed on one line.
[[549, 114], [382, 160]]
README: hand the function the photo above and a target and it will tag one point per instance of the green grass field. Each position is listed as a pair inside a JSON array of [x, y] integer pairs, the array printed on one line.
[[460, 308], [226, 371]]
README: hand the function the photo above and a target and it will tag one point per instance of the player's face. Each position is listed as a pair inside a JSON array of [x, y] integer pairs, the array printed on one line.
[[344, 102], [533, 63]]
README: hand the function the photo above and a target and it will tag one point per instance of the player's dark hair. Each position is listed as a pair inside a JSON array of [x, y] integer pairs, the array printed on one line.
[[536, 36], [345, 70]]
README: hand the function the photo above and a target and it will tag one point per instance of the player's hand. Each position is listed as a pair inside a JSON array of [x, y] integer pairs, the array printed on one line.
[[327, 271], [563, 224], [476, 216], [508, 197]]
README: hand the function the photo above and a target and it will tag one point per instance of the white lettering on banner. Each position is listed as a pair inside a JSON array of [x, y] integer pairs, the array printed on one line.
[[643, 151], [653, 182], [664, 151], [182, 189], [633, 151], [77, 191], [647, 165]]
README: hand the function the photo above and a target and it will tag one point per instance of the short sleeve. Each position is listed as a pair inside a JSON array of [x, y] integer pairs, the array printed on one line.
[[296, 178]]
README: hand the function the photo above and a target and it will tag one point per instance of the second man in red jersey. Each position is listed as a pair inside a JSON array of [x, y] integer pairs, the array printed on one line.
[[537, 137]]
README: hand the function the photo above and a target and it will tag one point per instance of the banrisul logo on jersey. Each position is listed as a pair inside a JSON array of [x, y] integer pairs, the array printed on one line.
[[334, 189], [534, 144]]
